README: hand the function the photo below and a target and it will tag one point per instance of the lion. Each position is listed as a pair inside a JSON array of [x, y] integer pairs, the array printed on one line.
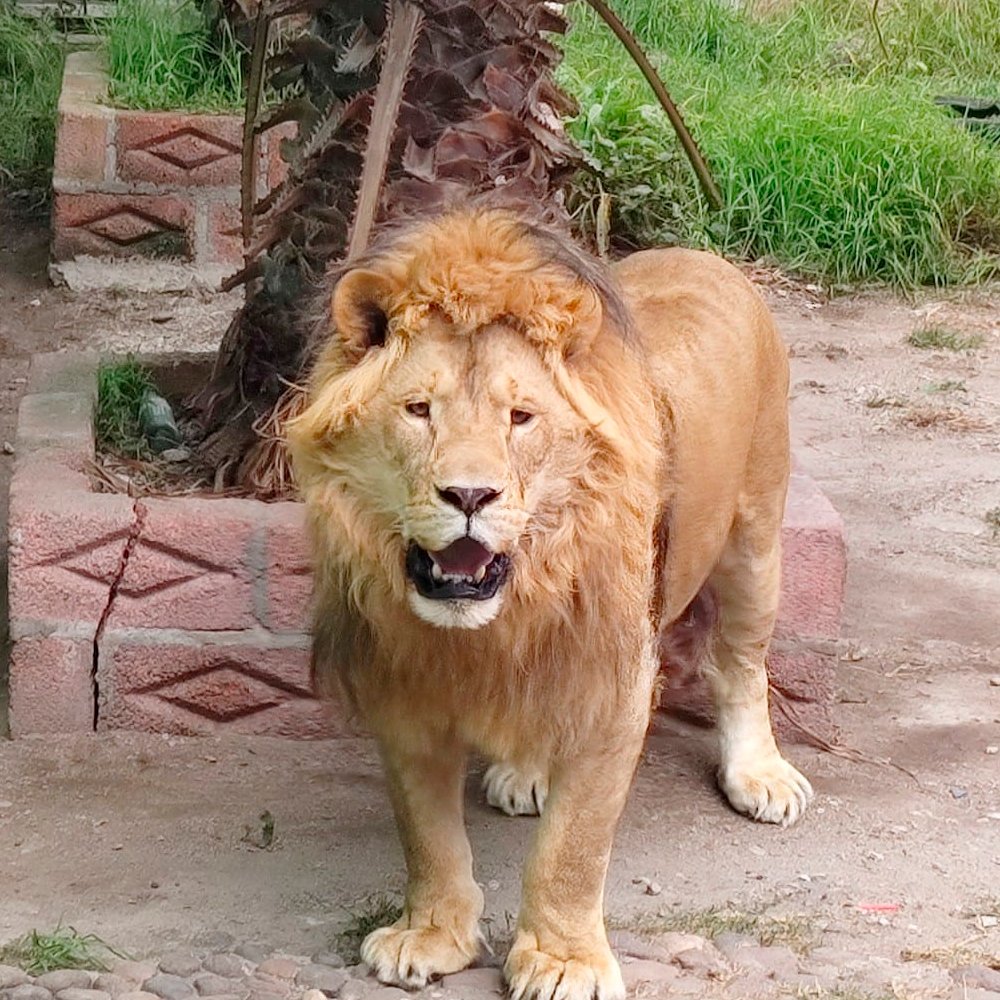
[[522, 470]]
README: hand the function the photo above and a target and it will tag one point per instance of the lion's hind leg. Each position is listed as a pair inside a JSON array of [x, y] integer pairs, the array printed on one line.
[[754, 776], [516, 789]]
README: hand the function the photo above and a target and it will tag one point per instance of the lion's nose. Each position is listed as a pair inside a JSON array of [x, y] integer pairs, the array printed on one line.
[[468, 499]]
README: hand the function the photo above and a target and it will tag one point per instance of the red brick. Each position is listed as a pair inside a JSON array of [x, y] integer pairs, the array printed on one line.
[[225, 240], [288, 569], [814, 563], [51, 690], [82, 142], [65, 548], [188, 569], [179, 150], [204, 689], [122, 226]]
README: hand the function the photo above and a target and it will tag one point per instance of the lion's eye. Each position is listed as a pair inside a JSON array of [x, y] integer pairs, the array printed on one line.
[[419, 408], [521, 417]]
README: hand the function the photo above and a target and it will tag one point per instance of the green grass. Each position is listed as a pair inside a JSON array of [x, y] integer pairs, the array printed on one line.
[[120, 388], [376, 911], [163, 55], [63, 948], [942, 338], [833, 160], [31, 59]]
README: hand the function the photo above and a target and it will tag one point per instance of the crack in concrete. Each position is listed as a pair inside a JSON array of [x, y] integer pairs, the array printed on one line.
[[139, 512]]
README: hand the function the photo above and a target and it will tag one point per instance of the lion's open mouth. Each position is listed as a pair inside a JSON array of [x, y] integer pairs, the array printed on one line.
[[465, 570]]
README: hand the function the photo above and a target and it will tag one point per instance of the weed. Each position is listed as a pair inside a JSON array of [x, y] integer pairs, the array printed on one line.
[[796, 932], [949, 418], [63, 948], [832, 161], [31, 59], [953, 956], [376, 911], [878, 400], [120, 388], [947, 385], [163, 56], [992, 518], [943, 338]]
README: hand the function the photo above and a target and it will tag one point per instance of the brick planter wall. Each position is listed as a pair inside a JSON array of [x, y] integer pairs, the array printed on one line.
[[190, 615], [141, 185]]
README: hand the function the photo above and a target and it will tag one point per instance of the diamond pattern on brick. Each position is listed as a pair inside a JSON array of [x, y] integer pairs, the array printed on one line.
[[189, 148], [125, 227], [224, 692]]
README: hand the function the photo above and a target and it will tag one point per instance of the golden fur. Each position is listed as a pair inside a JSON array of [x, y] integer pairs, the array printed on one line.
[[653, 464]]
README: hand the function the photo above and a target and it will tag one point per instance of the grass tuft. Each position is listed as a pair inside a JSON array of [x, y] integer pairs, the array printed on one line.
[[63, 948], [163, 55], [942, 338], [992, 519], [374, 912], [31, 59], [120, 389], [833, 160]]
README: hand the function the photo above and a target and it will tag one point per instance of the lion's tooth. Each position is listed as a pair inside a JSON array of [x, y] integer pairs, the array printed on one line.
[[436, 571], [480, 574]]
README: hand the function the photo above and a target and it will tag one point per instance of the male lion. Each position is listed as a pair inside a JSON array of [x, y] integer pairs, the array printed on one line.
[[520, 471]]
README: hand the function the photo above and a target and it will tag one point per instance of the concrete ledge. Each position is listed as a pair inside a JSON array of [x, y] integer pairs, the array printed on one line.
[[191, 615]]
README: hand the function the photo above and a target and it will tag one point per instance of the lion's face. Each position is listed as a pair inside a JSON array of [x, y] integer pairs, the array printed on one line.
[[468, 448]]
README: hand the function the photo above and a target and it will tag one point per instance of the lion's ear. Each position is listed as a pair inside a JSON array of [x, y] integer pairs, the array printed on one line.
[[361, 311], [587, 312]]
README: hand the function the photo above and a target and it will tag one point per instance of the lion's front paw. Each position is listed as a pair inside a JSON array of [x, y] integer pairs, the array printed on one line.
[[514, 791], [410, 956], [537, 975], [771, 790]]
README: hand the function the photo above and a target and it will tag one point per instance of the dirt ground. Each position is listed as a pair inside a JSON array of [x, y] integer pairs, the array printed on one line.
[[140, 839]]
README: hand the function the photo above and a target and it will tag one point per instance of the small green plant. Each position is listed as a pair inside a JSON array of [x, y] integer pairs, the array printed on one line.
[[63, 948], [163, 55], [942, 338], [946, 386], [31, 59], [376, 911], [120, 389]]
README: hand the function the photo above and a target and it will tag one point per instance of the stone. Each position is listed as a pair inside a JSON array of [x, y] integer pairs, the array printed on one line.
[[112, 984], [321, 977], [280, 968], [483, 980], [29, 991], [707, 962], [168, 986], [82, 994], [776, 961], [214, 940], [208, 984], [977, 977], [65, 979], [11, 977], [644, 970], [229, 965], [728, 942], [180, 963], [354, 989], [134, 972], [269, 988], [138, 995], [330, 958]]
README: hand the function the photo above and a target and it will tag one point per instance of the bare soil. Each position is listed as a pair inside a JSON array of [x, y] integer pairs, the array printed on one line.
[[143, 839]]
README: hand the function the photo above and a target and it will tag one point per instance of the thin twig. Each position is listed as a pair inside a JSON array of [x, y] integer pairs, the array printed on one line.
[[255, 86], [878, 31]]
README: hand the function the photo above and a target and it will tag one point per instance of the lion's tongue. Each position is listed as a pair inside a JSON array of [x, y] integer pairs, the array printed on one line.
[[464, 557]]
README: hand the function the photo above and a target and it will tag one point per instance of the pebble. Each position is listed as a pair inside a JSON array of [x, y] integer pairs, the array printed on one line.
[[280, 968], [208, 984], [134, 972], [180, 963], [707, 962], [321, 977], [113, 984], [168, 986], [82, 994], [11, 977], [29, 991], [483, 980], [330, 958], [354, 989], [65, 979], [995, 681], [979, 977], [228, 965]]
